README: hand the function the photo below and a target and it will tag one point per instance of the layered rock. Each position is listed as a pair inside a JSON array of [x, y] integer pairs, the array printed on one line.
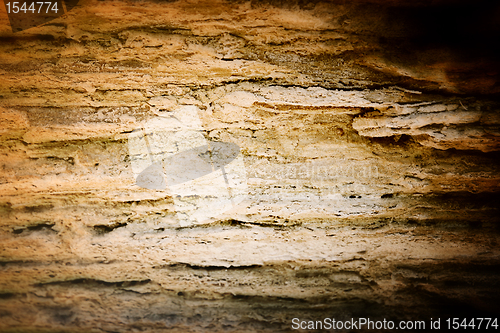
[[369, 147]]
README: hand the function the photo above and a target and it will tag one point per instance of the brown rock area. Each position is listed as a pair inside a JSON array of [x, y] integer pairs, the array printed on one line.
[[369, 147]]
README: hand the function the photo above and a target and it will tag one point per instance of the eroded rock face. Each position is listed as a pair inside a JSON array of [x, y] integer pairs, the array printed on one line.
[[366, 165]]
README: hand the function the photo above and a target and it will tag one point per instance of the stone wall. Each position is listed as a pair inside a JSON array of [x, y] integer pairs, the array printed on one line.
[[368, 142]]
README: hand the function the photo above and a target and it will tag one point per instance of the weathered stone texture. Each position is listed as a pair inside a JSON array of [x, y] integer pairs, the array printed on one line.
[[370, 136]]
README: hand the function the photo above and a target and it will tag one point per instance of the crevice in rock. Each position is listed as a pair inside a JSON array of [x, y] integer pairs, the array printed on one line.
[[92, 283], [181, 265], [44, 226], [104, 229]]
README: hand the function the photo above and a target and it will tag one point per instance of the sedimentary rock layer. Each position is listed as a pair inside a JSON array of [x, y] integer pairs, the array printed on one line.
[[369, 137]]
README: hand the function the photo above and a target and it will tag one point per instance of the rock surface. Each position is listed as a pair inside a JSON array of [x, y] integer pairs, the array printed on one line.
[[368, 136]]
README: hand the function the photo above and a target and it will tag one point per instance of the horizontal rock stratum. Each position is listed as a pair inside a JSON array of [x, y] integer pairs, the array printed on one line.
[[311, 160]]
